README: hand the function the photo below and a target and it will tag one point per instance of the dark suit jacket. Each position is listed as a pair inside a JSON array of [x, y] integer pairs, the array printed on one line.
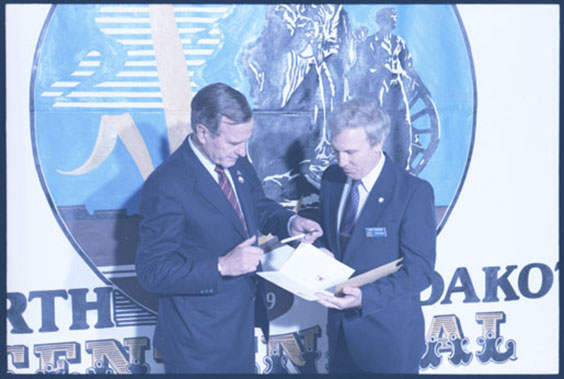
[[387, 333], [206, 321]]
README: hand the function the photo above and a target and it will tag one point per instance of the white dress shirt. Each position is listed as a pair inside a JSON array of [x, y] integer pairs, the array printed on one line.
[[210, 167], [364, 188]]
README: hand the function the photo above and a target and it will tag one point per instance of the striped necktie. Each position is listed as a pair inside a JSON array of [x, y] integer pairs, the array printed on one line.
[[225, 185], [349, 216]]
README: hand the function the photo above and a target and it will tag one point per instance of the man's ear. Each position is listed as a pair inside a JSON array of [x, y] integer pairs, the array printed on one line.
[[202, 134], [378, 146]]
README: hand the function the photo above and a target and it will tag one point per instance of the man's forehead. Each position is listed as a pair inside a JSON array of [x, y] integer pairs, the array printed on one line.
[[224, 120], [351, 130], [235, 131]]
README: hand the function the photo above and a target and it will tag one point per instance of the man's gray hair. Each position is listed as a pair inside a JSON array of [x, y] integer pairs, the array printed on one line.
[[363, 113]]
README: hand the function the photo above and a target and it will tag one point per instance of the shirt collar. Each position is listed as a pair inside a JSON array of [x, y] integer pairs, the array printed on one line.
[[370, 179], [208, 164]]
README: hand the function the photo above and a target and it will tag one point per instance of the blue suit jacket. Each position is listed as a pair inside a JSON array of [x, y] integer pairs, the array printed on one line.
[[387, 333], [205, 321]]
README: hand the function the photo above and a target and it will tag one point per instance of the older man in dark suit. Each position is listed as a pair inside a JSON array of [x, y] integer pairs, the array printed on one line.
[[201, 210], [374, 212]]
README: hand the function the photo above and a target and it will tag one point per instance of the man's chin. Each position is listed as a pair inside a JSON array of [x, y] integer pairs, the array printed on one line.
[[351, 174], [228, 164]]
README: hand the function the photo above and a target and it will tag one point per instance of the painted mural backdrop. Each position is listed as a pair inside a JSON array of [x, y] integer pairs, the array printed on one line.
[[110, 93], [116, 88]]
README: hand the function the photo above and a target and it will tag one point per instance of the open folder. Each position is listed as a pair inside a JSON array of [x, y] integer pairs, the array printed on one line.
[[310, 270]]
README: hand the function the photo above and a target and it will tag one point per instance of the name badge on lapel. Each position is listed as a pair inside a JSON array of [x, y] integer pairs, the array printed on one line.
[[376, 232]]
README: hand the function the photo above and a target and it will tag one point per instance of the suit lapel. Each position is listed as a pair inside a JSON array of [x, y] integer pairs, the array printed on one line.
[[208, 187], [245, 199], [376, 203]]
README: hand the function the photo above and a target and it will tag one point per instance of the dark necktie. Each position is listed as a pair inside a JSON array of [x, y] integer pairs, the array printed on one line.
[[349, 216], [230, 194]]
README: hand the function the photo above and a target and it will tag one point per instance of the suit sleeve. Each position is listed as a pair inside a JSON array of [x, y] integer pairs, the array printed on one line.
[[160, 264], [271, 216], [417, 247]]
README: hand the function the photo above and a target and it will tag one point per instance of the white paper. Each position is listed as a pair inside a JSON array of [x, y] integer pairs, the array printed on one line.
[[307, 271]]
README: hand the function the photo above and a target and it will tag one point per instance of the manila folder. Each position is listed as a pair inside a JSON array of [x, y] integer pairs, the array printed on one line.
[[369, 276]]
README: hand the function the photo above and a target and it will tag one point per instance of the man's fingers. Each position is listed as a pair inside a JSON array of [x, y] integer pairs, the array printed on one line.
[[326, 304], [351, 291], [252, 250], [248, 242]]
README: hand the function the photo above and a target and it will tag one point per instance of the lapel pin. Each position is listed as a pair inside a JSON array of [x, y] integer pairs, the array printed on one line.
[[381, 200], [240, 177]]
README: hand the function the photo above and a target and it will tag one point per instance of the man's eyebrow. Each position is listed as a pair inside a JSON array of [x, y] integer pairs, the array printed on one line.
[[346, 150], [236, 142]]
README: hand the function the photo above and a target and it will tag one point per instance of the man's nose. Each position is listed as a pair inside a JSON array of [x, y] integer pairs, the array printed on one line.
[[341, 158], [241, 150]]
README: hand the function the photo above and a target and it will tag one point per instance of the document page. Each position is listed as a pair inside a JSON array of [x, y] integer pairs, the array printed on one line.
[[307, 271]]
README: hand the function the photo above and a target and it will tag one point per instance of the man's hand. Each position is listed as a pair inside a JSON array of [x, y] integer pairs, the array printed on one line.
[[242, 259], [311, 229], [352, 298]]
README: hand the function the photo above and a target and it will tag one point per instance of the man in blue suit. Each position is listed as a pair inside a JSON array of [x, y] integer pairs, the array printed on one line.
[[374, 212], [201, 210]]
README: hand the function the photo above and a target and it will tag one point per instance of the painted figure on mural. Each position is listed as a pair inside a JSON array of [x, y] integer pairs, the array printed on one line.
[[387, 69], [295, 67]]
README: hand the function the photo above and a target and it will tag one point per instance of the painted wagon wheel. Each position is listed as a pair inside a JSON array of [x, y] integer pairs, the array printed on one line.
[[425, 127]]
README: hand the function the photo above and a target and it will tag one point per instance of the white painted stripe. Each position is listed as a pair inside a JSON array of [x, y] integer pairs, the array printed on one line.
[[195, 62], [209, 41], [197, 20], [214, 32], [148, 41], [51, 93], [126, 30], [198, 51], [121, 104], [128, 84], [140, 63], [136, 41], [114, 94], [178, 9], [123, 20], [65, 84], [140, 53], [145, 53], [122, 9], [106, 269], [189, 62], [82, 73], [89, 64], [190, 30], [134, 74], [93, 54]]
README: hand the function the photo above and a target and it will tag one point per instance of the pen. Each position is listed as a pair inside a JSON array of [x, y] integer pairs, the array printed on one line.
[[293, 238]]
